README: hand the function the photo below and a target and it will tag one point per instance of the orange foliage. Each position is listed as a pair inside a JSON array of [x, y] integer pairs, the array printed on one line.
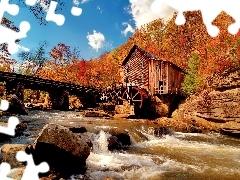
[[178, 43], [97, 72], [163, 40]]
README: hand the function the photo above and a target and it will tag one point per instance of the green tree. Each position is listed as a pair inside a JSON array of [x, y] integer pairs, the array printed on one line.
[[192, 79]]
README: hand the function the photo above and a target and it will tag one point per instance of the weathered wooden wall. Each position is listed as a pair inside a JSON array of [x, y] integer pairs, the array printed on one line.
[[170, 75], [157, 76], [175, 79], [158, 72], [136, 69]]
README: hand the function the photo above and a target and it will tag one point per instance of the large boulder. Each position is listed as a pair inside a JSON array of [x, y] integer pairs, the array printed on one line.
[[65, 152], [16, 106], [215, 107], [9, 152], [212, 105], [159, 107]]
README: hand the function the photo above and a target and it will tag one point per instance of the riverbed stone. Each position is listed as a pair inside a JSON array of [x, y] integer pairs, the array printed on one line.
[[65, 152], [95, 114], [122, 136], [16, 106], [114, 143], [16, 173], [9, 152], [162, 131]]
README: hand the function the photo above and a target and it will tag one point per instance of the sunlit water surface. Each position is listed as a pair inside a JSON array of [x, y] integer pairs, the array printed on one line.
[[181, 156]]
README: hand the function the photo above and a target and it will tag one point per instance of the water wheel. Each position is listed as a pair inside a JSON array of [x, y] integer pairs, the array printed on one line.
[[112, 95], [135, 96]]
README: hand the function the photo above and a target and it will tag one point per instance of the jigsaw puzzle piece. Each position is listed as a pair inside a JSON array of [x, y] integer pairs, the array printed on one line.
[[12, 9], [76, 11], [10, 129], [12, 121], [4, 105], [232, 9], [209, 12], [180, 6], [31, 171], [51, 16], [4, 170], [31, 2], [9, 36]]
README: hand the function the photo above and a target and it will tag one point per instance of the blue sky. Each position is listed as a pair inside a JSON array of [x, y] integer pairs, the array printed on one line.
[[102, 22]]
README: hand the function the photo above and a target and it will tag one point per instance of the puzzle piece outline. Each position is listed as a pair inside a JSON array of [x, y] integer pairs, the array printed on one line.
[[4, 170], [10, 36], [31, 171], [12, 121], [59, 19], [209, 12]]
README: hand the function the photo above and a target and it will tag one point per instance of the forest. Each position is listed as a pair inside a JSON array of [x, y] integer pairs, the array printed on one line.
[[189, 46]]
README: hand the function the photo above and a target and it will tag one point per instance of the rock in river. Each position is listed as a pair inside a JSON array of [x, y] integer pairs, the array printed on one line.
[[16, 106], [9, 152], [65, 152]]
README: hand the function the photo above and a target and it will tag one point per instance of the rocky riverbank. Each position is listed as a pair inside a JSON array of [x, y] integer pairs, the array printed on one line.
[[216, 108]]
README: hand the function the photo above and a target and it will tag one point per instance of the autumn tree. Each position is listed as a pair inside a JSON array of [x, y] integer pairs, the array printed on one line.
[[4, 53], [82, 76]]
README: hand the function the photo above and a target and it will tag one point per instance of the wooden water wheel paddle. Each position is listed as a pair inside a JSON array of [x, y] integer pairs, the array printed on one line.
[[135, 96]]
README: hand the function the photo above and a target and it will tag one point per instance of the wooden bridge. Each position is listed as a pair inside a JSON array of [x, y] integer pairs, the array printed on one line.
[[58, 91]]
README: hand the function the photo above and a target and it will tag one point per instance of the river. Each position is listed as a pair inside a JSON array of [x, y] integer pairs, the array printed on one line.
[[177, 157]]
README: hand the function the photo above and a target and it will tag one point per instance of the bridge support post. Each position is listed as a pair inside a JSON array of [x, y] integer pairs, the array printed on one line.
[[59, 99], [17, 88]]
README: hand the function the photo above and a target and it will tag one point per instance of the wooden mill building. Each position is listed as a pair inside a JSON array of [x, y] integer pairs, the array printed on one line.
[[143, 70]]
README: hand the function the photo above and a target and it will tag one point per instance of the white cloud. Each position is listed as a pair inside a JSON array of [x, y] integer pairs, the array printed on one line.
[[128, 29], [23, 48], [142, 13], [96, 40]]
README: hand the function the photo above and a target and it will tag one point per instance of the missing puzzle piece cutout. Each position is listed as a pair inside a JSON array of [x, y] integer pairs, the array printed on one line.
[[210, 10], [7, 35], [12, 121], [31, 172], [4, 105], [12, 9], [31, 2], [76, 11], [59, 19], [4, 170], [10, 129]]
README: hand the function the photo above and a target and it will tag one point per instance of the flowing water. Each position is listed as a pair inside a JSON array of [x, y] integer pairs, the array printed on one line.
[[177, 157]]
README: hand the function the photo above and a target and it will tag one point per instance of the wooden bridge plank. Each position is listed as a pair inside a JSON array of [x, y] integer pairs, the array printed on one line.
[[36, 83]]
